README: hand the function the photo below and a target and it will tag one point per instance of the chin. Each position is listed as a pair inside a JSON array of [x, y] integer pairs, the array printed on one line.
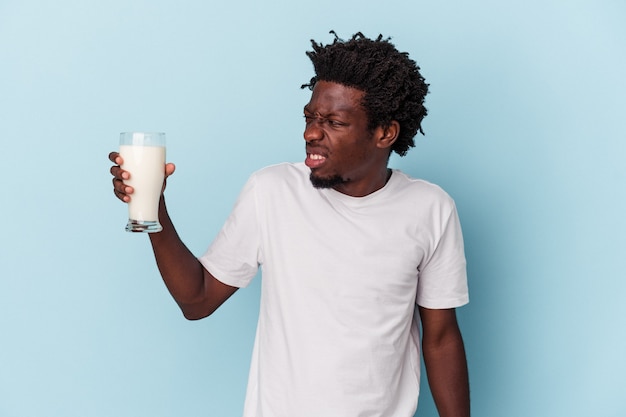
[[326, 182]]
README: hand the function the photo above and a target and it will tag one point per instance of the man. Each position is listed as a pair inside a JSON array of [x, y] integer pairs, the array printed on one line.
[[354, 255]]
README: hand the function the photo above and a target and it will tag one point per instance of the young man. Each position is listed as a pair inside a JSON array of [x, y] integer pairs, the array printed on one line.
[[354, 255]]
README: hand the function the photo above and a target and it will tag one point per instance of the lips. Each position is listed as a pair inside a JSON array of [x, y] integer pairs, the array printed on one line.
[[314, 160]]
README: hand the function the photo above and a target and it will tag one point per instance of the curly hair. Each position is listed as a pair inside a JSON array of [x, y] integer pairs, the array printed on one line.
[[393, 86]]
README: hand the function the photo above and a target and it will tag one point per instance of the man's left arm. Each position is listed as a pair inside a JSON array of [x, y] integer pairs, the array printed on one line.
[[446, 364]]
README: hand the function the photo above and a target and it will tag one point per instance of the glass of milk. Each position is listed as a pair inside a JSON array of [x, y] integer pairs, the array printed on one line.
[[144, 158]]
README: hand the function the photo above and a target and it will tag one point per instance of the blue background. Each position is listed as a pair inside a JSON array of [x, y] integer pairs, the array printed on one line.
[[525, 131]]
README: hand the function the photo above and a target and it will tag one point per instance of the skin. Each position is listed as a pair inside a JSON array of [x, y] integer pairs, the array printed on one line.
[[336, 131], [445, 361], [341, 149], [196, 291]]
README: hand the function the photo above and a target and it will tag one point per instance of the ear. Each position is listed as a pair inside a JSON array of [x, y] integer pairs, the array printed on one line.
[[388, 135]]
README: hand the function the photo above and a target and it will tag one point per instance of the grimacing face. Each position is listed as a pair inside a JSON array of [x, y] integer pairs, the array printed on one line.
[[341, 151]]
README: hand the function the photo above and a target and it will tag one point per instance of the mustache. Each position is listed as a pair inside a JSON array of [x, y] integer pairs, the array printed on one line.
[[316, 149]]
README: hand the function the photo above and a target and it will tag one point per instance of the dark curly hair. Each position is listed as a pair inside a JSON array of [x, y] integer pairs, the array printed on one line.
[[393, 86]]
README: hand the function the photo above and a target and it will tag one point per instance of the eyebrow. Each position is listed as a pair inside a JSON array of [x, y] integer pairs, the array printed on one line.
[[335, 112]]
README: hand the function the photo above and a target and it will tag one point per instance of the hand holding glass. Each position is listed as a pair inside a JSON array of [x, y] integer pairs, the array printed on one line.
[[144, 158]]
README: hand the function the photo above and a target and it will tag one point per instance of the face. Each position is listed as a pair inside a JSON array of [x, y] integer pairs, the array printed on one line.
[[341, 151]]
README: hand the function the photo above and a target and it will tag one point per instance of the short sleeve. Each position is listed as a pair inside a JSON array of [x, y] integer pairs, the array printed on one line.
[[233, 257], [442, 280]]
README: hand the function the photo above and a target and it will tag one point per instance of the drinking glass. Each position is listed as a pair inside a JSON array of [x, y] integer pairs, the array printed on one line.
[[144, 158]]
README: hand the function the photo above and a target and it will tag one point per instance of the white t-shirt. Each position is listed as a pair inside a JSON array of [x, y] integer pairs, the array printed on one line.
[[338, 328]]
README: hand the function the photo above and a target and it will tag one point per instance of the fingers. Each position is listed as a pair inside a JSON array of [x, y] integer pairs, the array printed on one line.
[[116, 158], [119, 173], [121, 190]]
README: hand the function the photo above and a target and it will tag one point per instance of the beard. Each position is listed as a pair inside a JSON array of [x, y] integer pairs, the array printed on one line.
[[328, 182]]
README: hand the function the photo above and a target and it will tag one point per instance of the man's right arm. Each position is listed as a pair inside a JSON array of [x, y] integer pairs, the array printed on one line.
[[195, 290]]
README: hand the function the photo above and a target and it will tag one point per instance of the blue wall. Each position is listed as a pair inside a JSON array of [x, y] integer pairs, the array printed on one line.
[[526, 131]]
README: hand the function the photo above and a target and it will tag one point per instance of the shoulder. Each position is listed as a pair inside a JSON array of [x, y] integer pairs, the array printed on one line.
[[281, 172], [420, 191], [280, 178]]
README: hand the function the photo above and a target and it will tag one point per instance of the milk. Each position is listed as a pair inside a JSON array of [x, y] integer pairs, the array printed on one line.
[[146, 165]]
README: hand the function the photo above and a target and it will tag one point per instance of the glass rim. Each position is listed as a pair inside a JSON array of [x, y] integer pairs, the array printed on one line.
[[143, 138], [130, 132]]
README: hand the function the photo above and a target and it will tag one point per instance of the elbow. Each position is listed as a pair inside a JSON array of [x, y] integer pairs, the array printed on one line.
[[207, 302], [194, 314], [193, 317]]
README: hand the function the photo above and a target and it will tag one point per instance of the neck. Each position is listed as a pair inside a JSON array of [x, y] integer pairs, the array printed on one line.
[[361, 190]]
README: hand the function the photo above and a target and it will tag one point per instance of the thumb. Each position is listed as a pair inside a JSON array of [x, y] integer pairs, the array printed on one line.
[[169, 169]]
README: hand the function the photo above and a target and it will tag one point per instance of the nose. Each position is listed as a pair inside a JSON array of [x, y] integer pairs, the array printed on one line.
[[313, 130]]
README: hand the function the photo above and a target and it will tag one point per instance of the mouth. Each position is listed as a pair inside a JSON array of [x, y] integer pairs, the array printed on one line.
[[314, 160]]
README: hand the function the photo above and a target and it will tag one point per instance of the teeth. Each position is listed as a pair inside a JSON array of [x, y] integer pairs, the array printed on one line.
[[314, 156]]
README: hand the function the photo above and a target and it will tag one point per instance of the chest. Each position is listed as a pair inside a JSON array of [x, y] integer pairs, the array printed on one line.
[[372, 250]]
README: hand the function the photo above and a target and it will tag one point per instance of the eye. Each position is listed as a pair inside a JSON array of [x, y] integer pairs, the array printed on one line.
[[335, 123]]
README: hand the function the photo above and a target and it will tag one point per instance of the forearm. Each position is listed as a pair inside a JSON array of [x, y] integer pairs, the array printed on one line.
[[181, 271], [446, 366]]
